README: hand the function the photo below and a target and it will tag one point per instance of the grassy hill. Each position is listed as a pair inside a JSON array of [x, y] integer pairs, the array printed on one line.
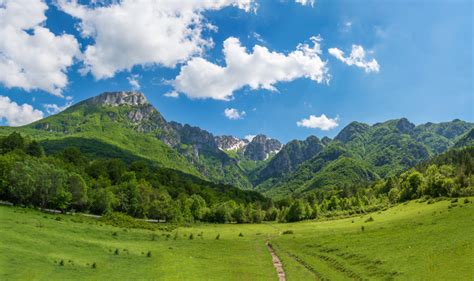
[[412, 241], [361, 153]]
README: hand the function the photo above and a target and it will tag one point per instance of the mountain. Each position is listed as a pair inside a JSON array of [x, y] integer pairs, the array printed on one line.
[[466, 140], [361, 153], [125, 125], [227, 143], [289, 157], [128, 122]]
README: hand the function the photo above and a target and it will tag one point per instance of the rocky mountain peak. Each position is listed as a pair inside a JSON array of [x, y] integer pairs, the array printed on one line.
[[230, 143], [261, 147], [132, 98], [404, 126]]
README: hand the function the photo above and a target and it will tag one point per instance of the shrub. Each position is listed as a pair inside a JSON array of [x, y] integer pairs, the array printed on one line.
[[454, 200], [241, 235], [362, 228], [148, 254], [94, 265], [288, 232], [58, 218], [114, 234], [191, 236], [370, 219], [466, 201], [61, 263], [116, 251], [218, 236]]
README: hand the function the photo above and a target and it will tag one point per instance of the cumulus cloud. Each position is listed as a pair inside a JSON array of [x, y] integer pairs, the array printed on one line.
[[357, 58], [140, 32], [17, 115], [306, 2], [322, 122], [172, 94], [133, 80], [234, 114], [260, 69], [31, 56], [54, 108]]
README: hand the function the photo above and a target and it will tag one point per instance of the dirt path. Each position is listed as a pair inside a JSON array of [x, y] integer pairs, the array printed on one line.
[[276, 263]]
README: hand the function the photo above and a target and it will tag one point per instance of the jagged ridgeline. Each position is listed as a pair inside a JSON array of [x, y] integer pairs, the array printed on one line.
[[125, 125]]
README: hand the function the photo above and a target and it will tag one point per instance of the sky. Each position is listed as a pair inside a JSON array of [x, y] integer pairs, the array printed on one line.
[[287, 69]]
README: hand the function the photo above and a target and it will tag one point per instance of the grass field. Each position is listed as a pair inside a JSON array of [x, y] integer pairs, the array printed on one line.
[[414, 241]]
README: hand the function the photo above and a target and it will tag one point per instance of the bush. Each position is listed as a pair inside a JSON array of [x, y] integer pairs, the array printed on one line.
[[370, 219], [362, 228], [288, 232], [191, 236], [61, 263], [148, 254], [241, 235], [94, 265], [466, 201], [218, 236], [116, 251]]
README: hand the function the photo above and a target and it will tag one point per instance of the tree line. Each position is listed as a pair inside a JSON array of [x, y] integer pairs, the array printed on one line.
[[74, 181]]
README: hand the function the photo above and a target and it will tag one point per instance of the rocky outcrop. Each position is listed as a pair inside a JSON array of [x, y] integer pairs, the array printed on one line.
[[290, 157], [132, 98], [230, 143], [261, 147]]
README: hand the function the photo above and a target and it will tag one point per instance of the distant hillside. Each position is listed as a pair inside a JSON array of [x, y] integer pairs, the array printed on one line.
[[361, 153]]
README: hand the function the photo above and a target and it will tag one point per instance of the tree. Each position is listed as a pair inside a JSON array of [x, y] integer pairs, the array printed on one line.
[[35, 149], [103, 200], [296, 212], [12, 142], [393, 195], [412, 185], [197, 206], [74, 155], [79, 189]]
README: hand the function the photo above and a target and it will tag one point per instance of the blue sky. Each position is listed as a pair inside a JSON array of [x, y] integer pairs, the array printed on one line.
[[417, 63]]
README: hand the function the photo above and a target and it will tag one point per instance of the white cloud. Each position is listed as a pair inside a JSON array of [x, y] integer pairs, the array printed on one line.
[[133, 80], [260, 69], [54, 108], [31, 56], [321, 122], [249, 137], [306, 2], [357, 58], [234, 114], [142, 32], [172, 94], [17, 115]]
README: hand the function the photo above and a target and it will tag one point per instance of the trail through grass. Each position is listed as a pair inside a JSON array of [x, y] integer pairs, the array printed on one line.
[[414, 241]]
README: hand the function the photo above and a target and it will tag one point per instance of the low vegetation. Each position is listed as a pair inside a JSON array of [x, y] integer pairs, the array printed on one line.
[[410, 241]]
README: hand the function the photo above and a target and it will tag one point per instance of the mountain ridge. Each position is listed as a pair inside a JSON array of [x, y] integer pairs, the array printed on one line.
[[128, 121]]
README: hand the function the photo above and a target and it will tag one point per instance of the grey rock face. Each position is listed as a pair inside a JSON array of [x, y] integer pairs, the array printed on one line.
[[290, 157], [261, 147], [194, 136], [132, 98], [230, 143]]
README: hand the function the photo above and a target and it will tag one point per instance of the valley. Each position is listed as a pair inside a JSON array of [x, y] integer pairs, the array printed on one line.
[[416, 240]]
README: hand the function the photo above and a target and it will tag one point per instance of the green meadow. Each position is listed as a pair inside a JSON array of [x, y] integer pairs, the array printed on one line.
[[412, 241]]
